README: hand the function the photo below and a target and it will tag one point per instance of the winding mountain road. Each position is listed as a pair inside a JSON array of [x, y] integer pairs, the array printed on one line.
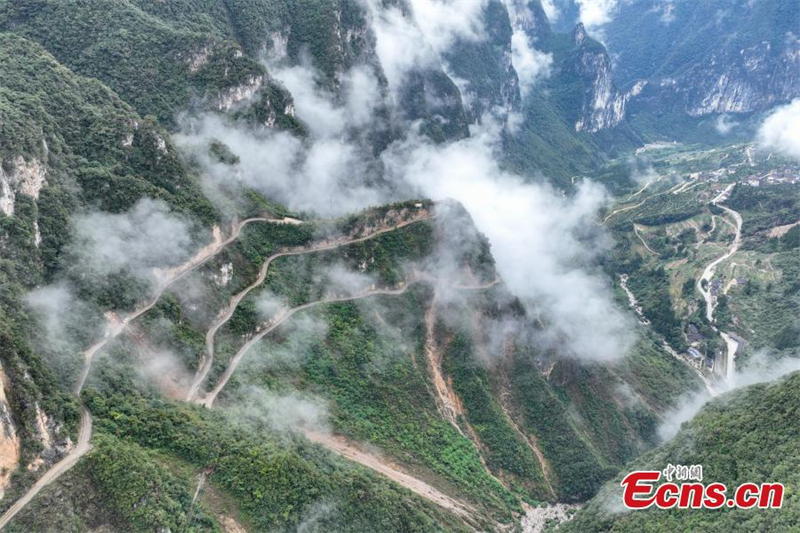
[[113, 329], [339, 444], [349, 450], [211, 397], [208, 359], [69, 460], [731, 344], [336, 444]]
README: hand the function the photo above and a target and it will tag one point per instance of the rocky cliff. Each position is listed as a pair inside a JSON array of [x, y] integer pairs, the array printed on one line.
[[603, 105], [701, 58]]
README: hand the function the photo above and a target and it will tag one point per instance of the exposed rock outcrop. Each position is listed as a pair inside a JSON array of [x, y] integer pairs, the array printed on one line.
[[750, 80], [9, 439], [23, 177], [603, 105], [241, 93]]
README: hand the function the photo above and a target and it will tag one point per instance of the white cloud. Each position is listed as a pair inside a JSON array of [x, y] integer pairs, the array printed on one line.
[[725, 124], [269, 306], [444, 22], [407, 43], [596, 13], [62, 315], [759, 370], [290, 411], [326, 175], [781, 130], [319, 109], [400, 45], [543, 242], [531, 64], [146, 237], [312, 105], [551, 10], [362, 96]]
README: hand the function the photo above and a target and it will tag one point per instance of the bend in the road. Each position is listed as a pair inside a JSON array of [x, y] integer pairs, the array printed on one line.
[[208, 359], [113, 329], [731, 344]]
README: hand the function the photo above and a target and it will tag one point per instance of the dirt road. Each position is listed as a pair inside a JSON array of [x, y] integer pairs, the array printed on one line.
[[113, 328], [208, 360], [211, 397], [623, 209], [343, 447], [644, 242], [339, 445], [80, 449], [731, 344]]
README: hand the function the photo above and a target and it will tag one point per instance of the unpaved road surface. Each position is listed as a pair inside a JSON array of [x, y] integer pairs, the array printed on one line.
[[208, 360], [339, 445], [113, 328], [731, 344], [211, 397], [69, 460], [343, 447]]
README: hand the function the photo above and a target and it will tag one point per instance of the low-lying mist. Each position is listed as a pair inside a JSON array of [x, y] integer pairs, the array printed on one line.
[[545, 242]]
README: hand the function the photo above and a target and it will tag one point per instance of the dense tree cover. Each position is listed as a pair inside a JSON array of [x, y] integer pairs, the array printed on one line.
[[749, 435], [257, 242], [379, 393], [141, 491], [385, 259], [296, 280], [275, 479], [506, 451], [117, 43], [659, 380], [104, 145], [619, 424], [646, 46], [481, 62], [651, 287], [167, 326], [77, 126], [765, 207], [788, 337], [669, 208], [328, 32], [791, 239], [155, 494], [34, 383], [578, 470], [546, 141]]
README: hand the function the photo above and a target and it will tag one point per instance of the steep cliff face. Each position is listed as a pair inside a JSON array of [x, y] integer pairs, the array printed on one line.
[[333, 36], [484, 66], [24, 177], [529, 16], [742, 81], [603, 105], [701, 58], [749, 79]]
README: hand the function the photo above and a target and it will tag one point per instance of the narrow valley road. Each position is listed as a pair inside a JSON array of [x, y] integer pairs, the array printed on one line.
[[731, 344]]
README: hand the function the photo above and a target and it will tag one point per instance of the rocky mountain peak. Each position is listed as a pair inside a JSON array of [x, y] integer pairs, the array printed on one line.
[[579, 35]]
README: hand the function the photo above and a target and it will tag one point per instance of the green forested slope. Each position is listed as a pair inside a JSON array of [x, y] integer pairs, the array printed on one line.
[[94, 151], [750, 435]]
